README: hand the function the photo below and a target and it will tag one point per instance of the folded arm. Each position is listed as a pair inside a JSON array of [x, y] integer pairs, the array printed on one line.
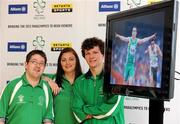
[[105, 109], [77, 106]]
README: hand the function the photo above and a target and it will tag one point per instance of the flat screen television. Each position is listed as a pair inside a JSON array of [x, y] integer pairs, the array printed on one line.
[[140, 51]]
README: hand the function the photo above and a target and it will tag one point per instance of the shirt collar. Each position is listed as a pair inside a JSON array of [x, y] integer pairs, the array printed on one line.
[[65, 80], [26, 82], [88, 75]]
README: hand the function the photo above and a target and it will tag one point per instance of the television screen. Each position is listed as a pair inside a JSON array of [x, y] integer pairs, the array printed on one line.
[[140, 51]]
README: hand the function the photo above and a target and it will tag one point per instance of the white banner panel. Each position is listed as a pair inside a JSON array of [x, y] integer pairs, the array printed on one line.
[[1, 83], [51, 25]]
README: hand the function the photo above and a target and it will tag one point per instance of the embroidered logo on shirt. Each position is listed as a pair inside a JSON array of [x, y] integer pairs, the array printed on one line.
[[20, 99]]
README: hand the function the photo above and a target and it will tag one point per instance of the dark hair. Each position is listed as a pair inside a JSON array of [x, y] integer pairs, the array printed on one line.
[[60, 71], [153, 39], [34, 52], [90, 43]]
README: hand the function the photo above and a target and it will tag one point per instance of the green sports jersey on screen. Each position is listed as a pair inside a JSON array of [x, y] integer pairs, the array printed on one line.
[[131, 50]]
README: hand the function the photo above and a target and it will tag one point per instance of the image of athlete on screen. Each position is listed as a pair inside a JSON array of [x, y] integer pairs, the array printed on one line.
[[154, 53], [133, 41]]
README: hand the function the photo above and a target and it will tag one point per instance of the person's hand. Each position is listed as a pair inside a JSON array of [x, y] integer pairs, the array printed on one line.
[[47, 122], [116, 35], [53, 85], [154, 36], [2, 122], [89, 116]]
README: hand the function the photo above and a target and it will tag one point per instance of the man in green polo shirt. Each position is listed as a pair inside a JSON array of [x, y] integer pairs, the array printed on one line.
[[133, 42], [28, 99], [90, 104]]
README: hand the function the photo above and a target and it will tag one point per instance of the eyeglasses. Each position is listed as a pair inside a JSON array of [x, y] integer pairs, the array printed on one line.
[[37, 63]]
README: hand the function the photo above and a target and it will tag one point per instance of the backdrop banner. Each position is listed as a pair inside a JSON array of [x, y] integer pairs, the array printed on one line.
[[52, 25]]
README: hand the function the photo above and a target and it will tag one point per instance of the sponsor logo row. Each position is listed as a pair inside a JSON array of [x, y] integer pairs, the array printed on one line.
[[38, 43], [40, 6]]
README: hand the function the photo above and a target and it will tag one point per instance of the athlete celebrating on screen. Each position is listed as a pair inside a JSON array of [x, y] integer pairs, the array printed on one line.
[[132, 41], [154, 51]]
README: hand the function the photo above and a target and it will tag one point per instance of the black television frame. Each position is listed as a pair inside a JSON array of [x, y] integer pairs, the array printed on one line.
[[166, 92]]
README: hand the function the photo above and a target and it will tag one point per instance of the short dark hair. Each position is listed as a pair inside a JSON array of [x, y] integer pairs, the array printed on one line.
[[90, 43], [153, 39], [33, 52], [60, 71]]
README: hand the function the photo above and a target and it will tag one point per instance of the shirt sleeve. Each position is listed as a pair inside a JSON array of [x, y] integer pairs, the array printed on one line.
[[50, 75], [4, 102], [77, 105], [106, 109], [49, 114]]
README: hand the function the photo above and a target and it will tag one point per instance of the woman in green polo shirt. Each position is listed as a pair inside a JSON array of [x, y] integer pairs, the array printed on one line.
[[68, 69]]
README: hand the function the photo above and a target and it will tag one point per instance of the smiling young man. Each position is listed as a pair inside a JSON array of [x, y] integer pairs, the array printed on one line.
[[90, 104], [28, 99]]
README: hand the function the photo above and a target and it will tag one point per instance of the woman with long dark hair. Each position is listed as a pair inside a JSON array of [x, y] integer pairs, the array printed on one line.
[[68, 69]]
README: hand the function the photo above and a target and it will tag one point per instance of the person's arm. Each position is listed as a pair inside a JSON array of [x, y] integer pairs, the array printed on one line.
[[54, 87], [49, 114], [122, 38], [77, 105], [4, 102], [146, 51], [141, 41], [106, 109]]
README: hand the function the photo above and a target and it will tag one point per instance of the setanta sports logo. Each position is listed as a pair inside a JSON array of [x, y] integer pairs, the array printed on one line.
[[153, 1], [58, 46], [58, 8], [109, 6], [17, 46], [18, 9]]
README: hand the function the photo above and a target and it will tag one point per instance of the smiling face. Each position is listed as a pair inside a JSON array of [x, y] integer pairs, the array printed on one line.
[[94, 57], [68, 62], [35, 66]]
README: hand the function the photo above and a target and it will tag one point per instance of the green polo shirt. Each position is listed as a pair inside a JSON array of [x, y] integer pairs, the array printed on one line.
[[62, 105], [21, 103]]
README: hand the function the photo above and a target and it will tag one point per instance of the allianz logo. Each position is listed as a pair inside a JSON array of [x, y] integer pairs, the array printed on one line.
[[22, 9], [17, 46], [114, 6]]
